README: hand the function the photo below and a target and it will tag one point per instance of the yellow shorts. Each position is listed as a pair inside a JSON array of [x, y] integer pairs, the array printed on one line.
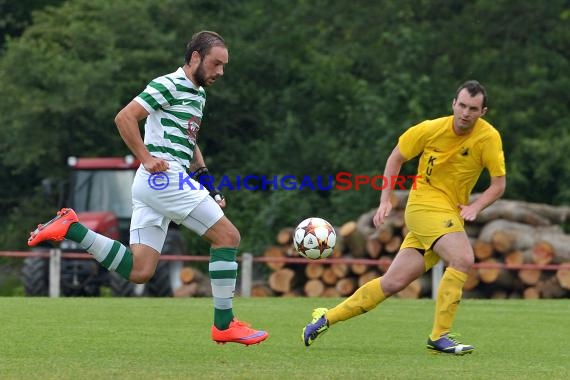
[[426, 226]]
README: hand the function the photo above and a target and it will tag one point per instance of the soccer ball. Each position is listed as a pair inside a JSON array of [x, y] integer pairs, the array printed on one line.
[[314, 238]]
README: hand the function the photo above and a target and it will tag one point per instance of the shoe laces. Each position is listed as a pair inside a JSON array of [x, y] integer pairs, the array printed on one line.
[[453, 337]]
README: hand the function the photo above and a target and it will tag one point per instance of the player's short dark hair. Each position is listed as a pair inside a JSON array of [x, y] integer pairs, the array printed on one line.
[[474, 88], [202, 42]]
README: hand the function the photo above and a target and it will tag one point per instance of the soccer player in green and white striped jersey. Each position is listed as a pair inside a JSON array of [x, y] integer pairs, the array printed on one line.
[[173, 107]]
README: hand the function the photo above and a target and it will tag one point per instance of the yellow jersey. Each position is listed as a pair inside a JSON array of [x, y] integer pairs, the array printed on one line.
[[450, 165]]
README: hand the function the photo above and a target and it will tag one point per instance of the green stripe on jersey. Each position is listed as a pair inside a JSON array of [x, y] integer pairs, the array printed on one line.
[[149, 100], [163, 91], [171, 123], [178, 140], [188, 102], [180, 115], [172, 152], [182, 88]]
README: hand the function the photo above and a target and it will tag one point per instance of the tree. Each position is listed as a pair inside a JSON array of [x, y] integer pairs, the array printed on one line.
[[17, 15], [64, 80]]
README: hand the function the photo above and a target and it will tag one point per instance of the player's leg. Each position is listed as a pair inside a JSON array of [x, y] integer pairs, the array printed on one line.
[[407, 266], [455, 249], [146, 244], [153, 210], [208, 220], [110, 253], [223, 268]]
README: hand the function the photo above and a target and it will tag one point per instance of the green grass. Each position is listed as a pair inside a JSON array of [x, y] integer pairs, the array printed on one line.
[[134, 338]]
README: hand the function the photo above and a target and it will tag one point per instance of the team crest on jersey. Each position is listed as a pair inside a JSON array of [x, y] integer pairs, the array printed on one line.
[[193, 128]]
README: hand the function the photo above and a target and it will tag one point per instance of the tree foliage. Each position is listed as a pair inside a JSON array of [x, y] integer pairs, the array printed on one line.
[[312, 88], [15, 16]]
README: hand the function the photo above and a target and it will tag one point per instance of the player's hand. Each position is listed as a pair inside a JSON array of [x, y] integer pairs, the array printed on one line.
[[203, 177], [219, 198], [155, 164], [468, 212], [382, 212]]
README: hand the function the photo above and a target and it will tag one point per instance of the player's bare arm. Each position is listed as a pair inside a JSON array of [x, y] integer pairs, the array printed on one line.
[[493, 192], [198, 160], [197, 164], [393, 166], [127, 121]]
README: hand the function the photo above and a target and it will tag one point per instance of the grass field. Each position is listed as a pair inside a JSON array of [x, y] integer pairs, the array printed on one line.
[[134, 338]]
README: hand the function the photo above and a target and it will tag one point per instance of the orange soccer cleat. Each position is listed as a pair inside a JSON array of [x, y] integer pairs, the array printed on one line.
[[55, 229], [238, 332]]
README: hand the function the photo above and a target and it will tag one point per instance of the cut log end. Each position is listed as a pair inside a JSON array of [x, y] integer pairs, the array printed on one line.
[[285, 236], [314, 288], [275, 252], [563, 275], [542, 253], [281, 280]]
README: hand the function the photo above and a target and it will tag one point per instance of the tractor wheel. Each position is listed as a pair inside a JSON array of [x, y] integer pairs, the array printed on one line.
[[121, 287], [79, 278], [35, 276], [159, 285], [167, 276]]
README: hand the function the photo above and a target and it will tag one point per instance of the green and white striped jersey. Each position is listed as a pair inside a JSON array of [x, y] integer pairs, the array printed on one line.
[[175, 109]]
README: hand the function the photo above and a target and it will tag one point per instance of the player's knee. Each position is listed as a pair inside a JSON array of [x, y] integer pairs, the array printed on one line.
[[229, 238], [463, 263], [141, 276], [393, 285], [235, 237]]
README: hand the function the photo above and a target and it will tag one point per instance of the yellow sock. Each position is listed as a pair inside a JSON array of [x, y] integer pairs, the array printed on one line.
[[364, 299], [448, 297]]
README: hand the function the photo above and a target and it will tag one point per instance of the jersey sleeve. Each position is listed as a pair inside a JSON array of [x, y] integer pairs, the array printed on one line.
[[493, 156], [412, 142], [154, 96]]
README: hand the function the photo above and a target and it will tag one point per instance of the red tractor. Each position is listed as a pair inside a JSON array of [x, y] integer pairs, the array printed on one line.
[[100, 193]]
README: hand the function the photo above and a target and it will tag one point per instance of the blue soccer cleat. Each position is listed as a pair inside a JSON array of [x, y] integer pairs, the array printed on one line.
[[319, 325], [449, 345]]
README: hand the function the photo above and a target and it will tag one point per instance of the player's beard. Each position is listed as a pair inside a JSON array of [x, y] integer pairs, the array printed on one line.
[[200, 76]]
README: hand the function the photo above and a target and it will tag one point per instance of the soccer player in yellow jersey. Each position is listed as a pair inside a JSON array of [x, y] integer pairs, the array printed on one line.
[[453, 151]]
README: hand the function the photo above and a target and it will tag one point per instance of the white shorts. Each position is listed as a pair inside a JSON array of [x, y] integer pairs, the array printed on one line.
[[160, 198], [204, 216]]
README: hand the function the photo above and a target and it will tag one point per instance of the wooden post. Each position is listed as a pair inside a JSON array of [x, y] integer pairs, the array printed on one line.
[[54, 272], [246, 273]]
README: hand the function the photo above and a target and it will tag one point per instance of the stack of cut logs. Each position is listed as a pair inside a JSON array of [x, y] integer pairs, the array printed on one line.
[[506, 235], [194, 283]]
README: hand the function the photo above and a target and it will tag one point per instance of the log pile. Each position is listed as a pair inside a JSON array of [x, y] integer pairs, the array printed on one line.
[[506, 235], [514, 233], [193, 284]]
